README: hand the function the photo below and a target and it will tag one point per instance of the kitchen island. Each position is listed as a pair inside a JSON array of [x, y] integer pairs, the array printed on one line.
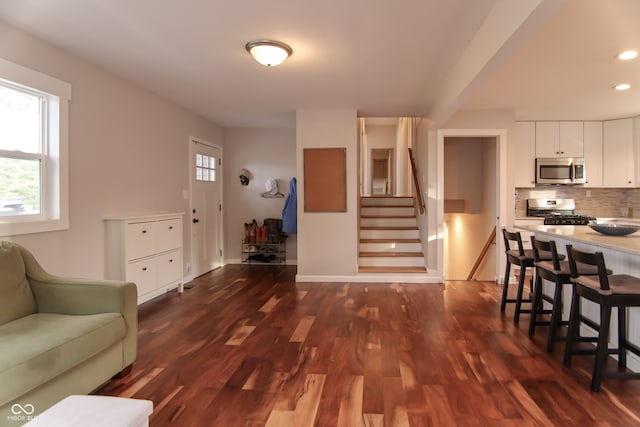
[[621, 254]]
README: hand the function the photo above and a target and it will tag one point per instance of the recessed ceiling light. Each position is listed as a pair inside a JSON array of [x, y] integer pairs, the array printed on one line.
[[623, 86], [628, 54]]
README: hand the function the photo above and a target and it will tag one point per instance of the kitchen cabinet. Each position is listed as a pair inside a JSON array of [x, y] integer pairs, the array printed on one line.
[[524, 159], [145, 250], [593, 153], [559, 139], [618, 156]]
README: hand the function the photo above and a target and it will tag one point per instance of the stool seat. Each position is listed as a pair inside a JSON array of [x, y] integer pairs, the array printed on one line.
[[608, 291], [583, 269]]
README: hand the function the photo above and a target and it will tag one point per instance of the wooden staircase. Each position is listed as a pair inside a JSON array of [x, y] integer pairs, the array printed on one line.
[[389, 236]]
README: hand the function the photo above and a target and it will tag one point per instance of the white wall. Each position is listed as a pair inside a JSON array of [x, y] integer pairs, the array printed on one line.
[[264, 152], [328, 241], [128, 153]]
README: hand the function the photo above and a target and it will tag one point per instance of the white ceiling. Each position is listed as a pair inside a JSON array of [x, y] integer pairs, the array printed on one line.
[[383, 58], [568, 68]]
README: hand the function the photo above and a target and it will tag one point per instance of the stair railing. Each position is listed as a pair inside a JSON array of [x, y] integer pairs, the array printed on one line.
[[483, 253], [416, 183]]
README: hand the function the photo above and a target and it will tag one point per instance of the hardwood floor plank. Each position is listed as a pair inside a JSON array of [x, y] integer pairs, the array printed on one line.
[[248, 346]]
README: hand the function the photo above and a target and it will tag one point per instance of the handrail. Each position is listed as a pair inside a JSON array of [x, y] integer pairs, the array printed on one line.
[[484, 251], [416, 183]]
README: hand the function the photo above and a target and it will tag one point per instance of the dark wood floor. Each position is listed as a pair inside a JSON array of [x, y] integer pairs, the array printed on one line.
[[247, 346]]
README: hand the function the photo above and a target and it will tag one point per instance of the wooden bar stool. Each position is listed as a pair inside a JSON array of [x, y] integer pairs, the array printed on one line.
[[522, 258], [556, 271], [618, 290]]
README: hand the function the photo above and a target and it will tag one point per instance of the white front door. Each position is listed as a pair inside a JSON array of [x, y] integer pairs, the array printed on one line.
[[206, 207]]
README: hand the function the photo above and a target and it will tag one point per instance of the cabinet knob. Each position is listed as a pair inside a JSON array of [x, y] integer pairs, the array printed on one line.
[[170, 227], [144, 231], [144, 268], [170, 260]]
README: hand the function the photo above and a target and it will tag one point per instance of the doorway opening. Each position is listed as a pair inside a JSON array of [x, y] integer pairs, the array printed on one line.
[[473, 185]]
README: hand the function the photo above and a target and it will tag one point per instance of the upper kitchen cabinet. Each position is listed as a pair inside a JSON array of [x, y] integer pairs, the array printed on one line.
[[618, 156], [559, 139], [593, 153], [523, 143]]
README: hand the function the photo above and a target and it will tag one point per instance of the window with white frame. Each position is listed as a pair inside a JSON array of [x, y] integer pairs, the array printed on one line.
[[205, 168], [33, 151]]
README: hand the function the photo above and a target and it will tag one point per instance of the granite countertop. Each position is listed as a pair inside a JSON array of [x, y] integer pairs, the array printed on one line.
[[584, 234]]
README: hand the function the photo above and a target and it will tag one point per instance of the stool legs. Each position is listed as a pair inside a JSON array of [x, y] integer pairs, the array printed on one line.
[[505, 286], [556, 317], [572, 329], [603, 346], [536, 303], [516, 315]]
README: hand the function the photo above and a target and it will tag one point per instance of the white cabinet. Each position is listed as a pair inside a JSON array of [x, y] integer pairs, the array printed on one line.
[[524, 159], [593, 153], [146, 250], [618, 153], [559, 139]]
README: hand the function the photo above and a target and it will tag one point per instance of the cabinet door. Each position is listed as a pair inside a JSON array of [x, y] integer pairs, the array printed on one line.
[[169, 234], [524, 159], [547, 142], [618, 161], [593, 153], [571, 139], [168, 268], [143, 274], [140, 240]]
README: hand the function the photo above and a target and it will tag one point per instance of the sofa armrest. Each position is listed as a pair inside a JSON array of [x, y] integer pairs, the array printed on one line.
[[80, 297]]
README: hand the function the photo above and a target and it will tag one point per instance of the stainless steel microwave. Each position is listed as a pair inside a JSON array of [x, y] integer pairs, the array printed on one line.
[[560, 170]]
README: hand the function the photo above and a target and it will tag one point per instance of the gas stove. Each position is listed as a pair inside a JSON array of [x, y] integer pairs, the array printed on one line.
[[557, 211], [568, 219]]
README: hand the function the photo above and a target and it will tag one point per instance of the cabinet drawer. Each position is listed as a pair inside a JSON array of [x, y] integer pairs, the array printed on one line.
[[168, 268], [169, 234], [141, 239], [143, 274]]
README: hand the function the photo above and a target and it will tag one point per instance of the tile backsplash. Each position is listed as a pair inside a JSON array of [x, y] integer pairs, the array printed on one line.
[[602, 203]]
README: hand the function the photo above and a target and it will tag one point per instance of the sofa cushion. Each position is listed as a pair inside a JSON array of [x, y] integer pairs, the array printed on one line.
[[38, 347], [16, 298]]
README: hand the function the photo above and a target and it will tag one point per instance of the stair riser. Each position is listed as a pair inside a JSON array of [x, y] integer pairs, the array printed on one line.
[[390, 247], [391, 211], [377, 201], [389, 234], [388, 222], [391, 261]]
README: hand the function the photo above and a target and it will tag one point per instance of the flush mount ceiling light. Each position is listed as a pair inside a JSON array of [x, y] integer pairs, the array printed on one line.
[[622, 86], [269, 52], [628, 54]]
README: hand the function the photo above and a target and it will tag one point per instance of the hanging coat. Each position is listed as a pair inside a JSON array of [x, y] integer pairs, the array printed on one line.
[[290, 210]]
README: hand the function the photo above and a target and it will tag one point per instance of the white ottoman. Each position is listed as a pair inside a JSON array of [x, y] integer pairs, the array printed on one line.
[[95, 411]]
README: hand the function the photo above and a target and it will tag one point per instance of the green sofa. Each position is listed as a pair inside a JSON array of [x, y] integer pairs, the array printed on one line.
[[58, 336]]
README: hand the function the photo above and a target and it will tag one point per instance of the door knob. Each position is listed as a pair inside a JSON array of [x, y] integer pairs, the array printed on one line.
[[196, 220]]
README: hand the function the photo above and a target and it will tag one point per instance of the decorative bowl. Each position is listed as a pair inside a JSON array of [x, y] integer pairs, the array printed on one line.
[[614, 228]]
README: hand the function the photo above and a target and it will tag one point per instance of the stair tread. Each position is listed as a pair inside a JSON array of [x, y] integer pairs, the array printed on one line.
[[387, 228], [382, 269], [388, 216], [386, 196], [389, 240], [387, 254], [386, 206]]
